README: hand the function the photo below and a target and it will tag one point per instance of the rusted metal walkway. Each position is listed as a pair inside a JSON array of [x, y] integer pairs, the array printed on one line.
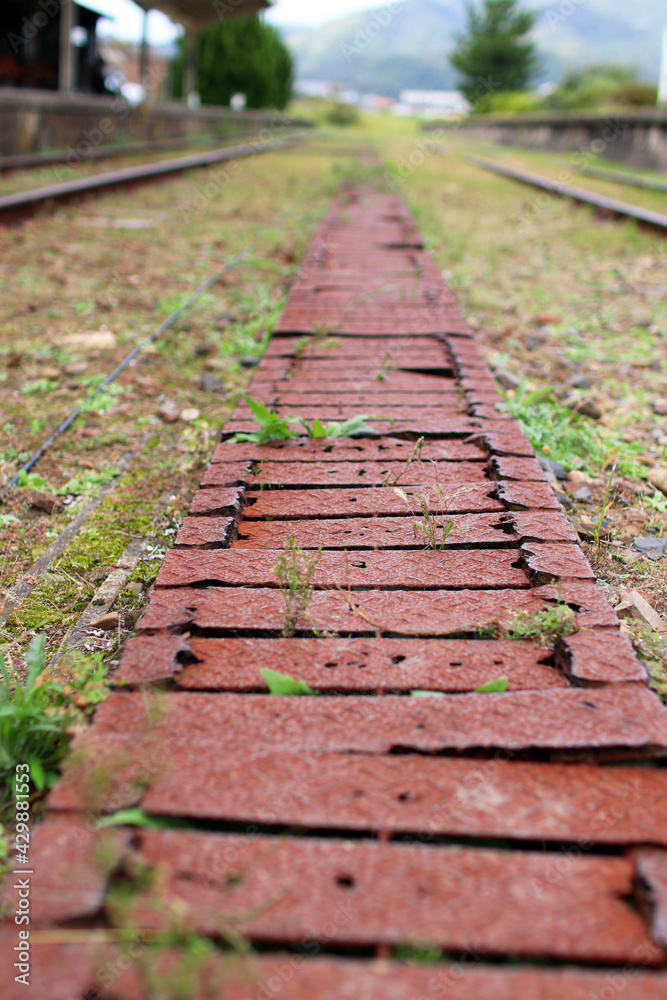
[[520, 834]]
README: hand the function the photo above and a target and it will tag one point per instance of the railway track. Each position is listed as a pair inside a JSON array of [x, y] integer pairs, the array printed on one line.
[[26, 161], [16, 207], [511, 832], [622, 177], [608, 206]]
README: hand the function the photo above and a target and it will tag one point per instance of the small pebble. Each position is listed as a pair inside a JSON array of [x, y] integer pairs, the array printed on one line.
[[652, 548], [559, 471], [190, 415], [136, 587], [210, 383], [249, 362], [108, 622], [583, 494]]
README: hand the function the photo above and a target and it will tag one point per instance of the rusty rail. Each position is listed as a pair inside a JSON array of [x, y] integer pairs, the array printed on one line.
[[15, 207], [585, 197], [508, 830]]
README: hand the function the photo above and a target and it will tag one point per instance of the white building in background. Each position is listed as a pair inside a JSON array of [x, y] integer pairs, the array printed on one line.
[[314, 88], [431, 104]]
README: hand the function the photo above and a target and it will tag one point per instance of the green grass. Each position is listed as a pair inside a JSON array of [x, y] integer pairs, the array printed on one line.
[[568, 437]]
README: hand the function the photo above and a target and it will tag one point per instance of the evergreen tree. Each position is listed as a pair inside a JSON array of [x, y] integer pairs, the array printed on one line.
[[493, 55], [240, 56]]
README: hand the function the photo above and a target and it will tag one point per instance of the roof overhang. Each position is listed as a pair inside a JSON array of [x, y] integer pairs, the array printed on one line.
[[197, 14]]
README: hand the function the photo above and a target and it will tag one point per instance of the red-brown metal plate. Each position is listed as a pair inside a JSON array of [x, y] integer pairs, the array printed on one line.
[[415, 570], [601, 657], [556, 562], [413, 613], [287, 504], [217, 500], [205, 532], [426, 797], [351, 474], [386, 893], [349, 450], [84, 968], [373, 665], [619, 716]]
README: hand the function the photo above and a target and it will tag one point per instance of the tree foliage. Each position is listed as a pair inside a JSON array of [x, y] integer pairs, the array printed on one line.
[[240, 56], [494, 54]]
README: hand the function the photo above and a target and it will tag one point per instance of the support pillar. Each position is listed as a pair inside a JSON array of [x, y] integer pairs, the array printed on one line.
[[145, 54], [190, 82], [662, 86], [66, 78]]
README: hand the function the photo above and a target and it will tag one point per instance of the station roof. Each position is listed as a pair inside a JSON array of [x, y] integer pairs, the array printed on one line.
[[197, 14]]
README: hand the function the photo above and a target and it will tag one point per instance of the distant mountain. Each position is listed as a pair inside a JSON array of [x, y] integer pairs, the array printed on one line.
[[383, 52]]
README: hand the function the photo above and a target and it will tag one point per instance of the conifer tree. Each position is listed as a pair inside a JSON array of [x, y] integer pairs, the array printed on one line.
[[493, 54]]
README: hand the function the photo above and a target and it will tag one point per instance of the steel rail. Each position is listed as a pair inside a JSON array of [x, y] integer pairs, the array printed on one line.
[[26, 161], [599, 201], [26, 202], [621, 177]]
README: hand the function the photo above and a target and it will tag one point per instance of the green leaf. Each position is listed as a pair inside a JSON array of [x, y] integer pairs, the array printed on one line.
[[261, 413], [428, 694], [497, 686], [6, 519], [318, 429], [37, 774], [34, 661], [137, 817], [283, 684]]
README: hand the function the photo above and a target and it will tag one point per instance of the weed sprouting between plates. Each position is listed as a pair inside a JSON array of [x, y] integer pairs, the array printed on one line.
[[295, 574], [275, 428]]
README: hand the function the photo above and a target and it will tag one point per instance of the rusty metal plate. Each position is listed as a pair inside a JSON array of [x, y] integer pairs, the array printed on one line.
[[426, 797], [217, 500], [602, 658], [232, 473], [626, 716], [388, 532], [523, 496], [205, 532], [513, 467], [430, 426], [425, 613], [428, 415], [554, 562], [348, 450], [370, 533], [351, 474], [286, 504], [389, 893], [148, 659], [541, 526], [73, 860], [508, 442], [371, 400], [82, 969], [393, 381], [415, 570], [337, 664]]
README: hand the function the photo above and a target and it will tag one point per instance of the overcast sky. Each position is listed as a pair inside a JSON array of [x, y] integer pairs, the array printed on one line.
[[286, 13]]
